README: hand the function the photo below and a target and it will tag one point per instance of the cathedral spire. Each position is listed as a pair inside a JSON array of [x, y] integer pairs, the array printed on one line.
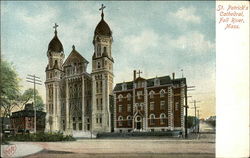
[[102, 8]]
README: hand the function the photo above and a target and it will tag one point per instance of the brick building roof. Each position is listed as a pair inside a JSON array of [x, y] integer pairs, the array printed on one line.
[[150, 82]]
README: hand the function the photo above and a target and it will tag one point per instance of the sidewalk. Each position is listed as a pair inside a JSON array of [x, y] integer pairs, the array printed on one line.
[[19, 149]]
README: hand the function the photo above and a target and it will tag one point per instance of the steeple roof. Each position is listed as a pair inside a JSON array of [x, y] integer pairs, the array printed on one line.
[[103, 28], [55, 44]]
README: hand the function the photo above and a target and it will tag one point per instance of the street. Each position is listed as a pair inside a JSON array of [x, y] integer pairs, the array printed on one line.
[[128, 148]]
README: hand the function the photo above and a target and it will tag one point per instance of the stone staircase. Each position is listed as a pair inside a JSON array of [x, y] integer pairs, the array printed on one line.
[[83, 134]]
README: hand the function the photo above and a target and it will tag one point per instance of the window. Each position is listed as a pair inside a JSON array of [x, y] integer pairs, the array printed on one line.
[[152, 119], [98, 50], [74, 126], [156, 82], [176, 106], [151, 94], [80, 126], [101, 104], [162, 92], [98, 65], [97, 105], [162, 106], [100, 119], [79, 118], [100, 86], [120, 118], [96, 87], [120, 108], [129, 96], [120, 97], [162, 118], [104, 49], [139, 93], [151, 107], [129, 118], [97, 120], [124, 86], [74, 118], [129, 108]]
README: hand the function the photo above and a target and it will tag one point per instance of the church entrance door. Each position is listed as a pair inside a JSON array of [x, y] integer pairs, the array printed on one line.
[[138, 121], [138, 125]]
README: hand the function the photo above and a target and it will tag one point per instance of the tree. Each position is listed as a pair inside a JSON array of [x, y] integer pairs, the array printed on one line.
[[28, 95], [9, 88]]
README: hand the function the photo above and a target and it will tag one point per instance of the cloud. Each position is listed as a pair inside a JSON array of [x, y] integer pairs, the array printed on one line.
[[40, 20], [187, 15], [193, 43], [137, 44]]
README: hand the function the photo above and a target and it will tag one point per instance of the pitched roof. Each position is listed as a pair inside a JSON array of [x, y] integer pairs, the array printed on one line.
[[75, 55]]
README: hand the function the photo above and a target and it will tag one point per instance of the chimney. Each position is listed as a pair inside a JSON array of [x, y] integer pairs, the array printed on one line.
[[173, 75], [134, 74]]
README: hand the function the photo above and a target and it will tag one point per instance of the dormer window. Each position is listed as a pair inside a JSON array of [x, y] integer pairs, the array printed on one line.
[[124, 86], [156, 82]]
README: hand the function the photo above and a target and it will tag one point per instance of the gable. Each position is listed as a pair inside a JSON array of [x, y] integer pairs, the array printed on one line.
[[74, 57]]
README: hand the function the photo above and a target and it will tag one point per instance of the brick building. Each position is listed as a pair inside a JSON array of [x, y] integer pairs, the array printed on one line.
[[24, 120], [155, 104]]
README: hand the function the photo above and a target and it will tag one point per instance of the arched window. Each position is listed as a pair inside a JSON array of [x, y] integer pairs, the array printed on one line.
[[98, 65], [120, 118], [162, 93], [152, 119], [97, 87], [129, 96], [129, 119], [162, 118], [120, 97], [98, 50], [151, 94]]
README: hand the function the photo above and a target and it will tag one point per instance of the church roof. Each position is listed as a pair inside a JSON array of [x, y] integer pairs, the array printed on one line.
[[55, 44], [75, 55], [103, 29]]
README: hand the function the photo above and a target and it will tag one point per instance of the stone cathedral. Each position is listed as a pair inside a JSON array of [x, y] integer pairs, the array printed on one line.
[[75, 99]]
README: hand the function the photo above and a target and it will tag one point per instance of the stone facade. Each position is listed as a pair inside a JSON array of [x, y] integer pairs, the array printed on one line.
[[75, 99]]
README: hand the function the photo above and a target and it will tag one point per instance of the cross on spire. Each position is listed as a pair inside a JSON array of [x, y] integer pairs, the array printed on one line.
[[55, 27], [139, 72], [102, 8]]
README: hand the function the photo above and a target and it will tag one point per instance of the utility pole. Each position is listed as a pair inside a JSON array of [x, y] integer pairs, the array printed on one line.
[[36, 81], [195, 108], [198, 121]]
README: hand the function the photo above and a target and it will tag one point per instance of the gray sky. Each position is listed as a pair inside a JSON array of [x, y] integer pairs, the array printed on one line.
[[156, 37]]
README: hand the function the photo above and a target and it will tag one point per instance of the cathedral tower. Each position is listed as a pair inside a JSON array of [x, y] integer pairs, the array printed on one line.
[[53, 71], [102, 77]]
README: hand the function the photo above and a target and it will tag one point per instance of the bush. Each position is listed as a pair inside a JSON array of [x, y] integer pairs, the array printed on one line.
[[41, 137]]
